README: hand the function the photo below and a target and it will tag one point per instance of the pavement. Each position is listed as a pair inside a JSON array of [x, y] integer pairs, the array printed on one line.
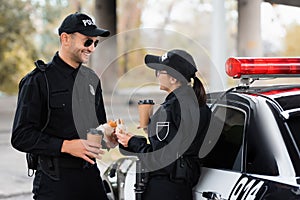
[[14, 182]]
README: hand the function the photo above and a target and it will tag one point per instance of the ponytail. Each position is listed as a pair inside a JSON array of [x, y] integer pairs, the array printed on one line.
[[199, 90]]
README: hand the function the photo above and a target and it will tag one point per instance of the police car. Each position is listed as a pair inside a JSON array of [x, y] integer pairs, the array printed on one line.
[[252, 148]]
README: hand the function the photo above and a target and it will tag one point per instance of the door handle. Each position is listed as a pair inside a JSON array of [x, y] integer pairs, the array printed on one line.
[[212, 196]]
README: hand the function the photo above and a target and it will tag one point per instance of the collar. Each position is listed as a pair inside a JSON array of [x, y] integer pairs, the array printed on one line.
[[65, 69], [181, 92], [172, 96]]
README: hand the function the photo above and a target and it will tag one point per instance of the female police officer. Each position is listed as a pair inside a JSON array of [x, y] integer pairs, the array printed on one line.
[[175, 131]]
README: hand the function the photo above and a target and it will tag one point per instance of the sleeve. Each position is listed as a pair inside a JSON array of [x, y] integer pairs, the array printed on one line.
[[136, 144], [30, 117], [158, 154]]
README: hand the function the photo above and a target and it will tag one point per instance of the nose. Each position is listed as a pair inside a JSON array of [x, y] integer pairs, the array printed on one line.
[[91, 48]]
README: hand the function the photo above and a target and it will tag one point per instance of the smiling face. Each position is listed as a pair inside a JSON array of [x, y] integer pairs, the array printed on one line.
[[76, 48]]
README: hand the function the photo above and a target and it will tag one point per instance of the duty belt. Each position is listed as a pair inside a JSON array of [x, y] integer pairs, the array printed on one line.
[[73, 163], [64, 162]]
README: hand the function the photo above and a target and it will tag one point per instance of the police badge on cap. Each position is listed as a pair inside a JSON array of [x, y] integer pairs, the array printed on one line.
[[81, 23]]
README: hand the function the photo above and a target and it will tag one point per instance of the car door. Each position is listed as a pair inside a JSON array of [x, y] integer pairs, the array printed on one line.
[[222, 152]]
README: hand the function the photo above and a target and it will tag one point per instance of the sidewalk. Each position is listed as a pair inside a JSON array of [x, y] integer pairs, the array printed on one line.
[[13, 173]]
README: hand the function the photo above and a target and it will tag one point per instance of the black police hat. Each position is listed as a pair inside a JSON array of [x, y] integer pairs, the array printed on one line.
[[176, 62], [82, 23]]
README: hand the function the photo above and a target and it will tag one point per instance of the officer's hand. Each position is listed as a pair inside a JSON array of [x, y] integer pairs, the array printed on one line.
[[123, 138], [83, 149], [111, 140], [109, 134]]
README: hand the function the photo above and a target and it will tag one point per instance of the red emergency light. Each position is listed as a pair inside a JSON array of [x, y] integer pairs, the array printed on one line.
[[242, 67]]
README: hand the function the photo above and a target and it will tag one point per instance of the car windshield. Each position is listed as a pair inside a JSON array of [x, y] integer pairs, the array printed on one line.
[[291, 105], [294, 126]]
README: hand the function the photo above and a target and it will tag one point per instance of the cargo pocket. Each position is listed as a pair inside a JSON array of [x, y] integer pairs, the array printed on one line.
[[58, 99]]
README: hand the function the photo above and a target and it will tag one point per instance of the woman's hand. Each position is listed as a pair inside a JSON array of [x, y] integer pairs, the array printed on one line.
[[123, 138]]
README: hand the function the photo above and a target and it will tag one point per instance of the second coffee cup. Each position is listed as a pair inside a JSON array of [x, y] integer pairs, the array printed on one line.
[[145, 108]]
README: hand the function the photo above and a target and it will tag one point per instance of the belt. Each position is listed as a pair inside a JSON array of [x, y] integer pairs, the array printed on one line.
[[159, 174], [160, 177], [66, 162], [73, 163]]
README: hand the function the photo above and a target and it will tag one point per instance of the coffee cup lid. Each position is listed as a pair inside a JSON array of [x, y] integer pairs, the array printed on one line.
[[146, 101], [95, 131]]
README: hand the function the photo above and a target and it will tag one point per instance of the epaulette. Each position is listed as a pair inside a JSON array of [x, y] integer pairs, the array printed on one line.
[[40, 66]]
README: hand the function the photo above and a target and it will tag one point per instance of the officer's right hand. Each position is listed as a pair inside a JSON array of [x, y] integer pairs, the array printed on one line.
[[83, 149]]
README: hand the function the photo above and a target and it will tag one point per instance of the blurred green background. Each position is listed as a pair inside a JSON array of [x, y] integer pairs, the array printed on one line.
[[28, 30]]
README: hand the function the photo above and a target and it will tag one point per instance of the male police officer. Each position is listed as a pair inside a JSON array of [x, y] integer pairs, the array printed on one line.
[[58, 103]]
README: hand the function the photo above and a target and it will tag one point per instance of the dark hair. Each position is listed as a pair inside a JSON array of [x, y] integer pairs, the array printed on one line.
[[199, 91]]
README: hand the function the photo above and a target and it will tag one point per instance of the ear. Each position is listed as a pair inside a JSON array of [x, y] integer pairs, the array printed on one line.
[[65, 39], [173, 80]]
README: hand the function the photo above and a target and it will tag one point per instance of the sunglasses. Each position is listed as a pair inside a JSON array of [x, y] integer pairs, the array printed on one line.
[[89, 42], [158, 72]]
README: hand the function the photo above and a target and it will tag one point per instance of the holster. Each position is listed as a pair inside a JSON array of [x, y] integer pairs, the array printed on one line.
[[141, 180], [186, 169], [180, 171], [32, 162]]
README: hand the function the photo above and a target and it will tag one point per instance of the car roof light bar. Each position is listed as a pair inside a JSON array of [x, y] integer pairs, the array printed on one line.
[[248, 67]]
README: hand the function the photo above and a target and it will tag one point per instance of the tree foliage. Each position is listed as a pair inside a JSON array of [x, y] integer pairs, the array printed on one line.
[[130, 12], [292, 40], [28, 31], [48, 15], [16, 48]]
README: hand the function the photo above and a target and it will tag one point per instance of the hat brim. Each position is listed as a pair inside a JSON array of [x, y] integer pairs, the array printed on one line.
[[153, 62], [95, 32]]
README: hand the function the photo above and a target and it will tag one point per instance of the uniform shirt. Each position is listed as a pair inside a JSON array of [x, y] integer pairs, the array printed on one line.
[[74, 98], [176, 129]]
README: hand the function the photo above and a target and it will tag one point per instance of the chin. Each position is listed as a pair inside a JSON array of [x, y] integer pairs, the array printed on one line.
[[84, 61], [164, 88]]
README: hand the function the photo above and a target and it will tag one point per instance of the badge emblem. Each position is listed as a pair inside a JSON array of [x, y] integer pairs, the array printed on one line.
[[164, 57], [162, 130], [92, 90]]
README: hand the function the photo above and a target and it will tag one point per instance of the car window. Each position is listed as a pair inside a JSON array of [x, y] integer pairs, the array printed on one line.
[[290, 127], [290, 103], [294, 125], [259, 156], [227, 152]]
